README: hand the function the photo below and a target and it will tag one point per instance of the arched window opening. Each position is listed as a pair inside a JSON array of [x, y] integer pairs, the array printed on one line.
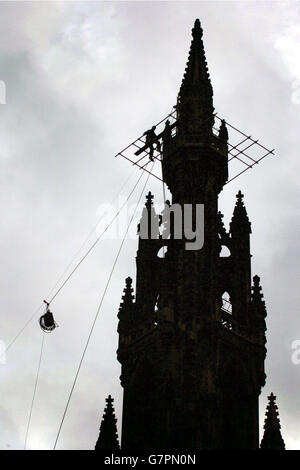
[[162, 252], [226, 303], [225, 252]]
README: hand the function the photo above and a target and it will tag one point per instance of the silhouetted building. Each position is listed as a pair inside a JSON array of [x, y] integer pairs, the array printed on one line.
[[192, 342]]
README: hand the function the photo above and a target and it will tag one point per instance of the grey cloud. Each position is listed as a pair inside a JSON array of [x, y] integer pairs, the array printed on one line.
[[83, 80]]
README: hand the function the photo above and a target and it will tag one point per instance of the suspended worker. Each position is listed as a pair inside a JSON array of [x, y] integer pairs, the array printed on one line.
[[151, 139], [47, 322]]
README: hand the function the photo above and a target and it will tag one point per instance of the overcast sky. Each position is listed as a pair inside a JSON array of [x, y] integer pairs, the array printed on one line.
[[83, 79]]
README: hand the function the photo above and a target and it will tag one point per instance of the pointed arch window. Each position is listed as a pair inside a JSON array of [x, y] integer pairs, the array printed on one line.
[[225, 252], [162, 252], [226, 303]]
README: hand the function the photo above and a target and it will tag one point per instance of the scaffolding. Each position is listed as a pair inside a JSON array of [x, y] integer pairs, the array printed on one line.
[[244, 152]]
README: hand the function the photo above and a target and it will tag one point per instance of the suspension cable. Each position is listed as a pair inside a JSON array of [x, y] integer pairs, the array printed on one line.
[[34, 390], [95, 242], [97, 312], [88, 236], [73, 271], [21, 331]]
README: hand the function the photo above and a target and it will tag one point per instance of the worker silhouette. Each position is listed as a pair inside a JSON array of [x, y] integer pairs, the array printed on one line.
[[151, 139], [167, 133], [47, 322]]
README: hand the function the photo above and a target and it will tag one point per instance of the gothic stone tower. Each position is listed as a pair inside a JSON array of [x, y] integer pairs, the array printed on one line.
[[192, 372]]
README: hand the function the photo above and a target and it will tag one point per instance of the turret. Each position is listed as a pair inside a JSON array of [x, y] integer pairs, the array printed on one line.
[[272, 438]]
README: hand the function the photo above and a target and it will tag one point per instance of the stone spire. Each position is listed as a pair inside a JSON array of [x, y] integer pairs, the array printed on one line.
[[196, 71], [272, 438], [195, 98], [108, 437], [240, 221]]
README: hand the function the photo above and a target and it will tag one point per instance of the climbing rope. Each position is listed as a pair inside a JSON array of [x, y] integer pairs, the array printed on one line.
[[34, 390], [97, 313]]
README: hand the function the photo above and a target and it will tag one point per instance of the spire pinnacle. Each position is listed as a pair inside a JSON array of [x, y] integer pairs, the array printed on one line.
[[108, 437], [272, 438], [197, 29], [240, 220], [240, 197], [257, 287], [126, 312], [149, 199], [196, 69], [257, 295], [195, 95], [127, 297], [221, 223], [148, 228]]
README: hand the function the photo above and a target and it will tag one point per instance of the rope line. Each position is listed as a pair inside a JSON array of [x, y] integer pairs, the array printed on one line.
[[88, 236], [97, 313], [34, 391], [73, 271], [95, 242], [22, 329]]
